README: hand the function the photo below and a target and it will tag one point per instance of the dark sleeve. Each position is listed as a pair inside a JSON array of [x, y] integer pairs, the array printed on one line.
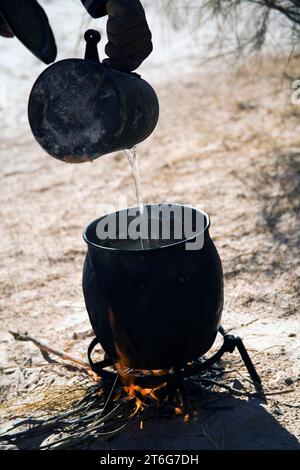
[[96, 8]]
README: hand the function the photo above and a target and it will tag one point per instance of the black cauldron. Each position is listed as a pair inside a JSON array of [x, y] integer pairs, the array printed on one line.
[[156, 307]]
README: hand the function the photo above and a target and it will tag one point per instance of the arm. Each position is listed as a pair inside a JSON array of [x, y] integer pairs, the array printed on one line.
[[27, 20], [4, 28], [96, 8]]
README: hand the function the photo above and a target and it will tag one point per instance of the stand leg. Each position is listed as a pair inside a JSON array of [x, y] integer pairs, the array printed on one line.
[[238, 343], [247, 361]]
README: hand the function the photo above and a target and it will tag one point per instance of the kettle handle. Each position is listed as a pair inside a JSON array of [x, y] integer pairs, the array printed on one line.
[[92, 38]]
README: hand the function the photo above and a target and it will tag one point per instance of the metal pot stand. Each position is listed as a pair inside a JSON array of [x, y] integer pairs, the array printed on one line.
[[175, 378]]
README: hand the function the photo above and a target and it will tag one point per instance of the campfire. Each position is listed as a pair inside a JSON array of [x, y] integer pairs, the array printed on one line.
[[123, 396], [145, 387]]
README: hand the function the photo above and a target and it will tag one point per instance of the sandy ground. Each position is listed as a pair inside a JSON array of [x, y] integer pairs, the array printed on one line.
[[230, 145], [227, 141]]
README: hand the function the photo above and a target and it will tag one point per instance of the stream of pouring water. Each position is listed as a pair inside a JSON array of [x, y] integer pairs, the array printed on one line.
[[133, 159]]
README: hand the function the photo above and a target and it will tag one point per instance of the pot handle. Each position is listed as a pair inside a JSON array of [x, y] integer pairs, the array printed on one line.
[[98, 367]]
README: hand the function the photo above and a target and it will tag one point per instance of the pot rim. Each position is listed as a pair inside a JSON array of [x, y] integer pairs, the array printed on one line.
[[151, 249]]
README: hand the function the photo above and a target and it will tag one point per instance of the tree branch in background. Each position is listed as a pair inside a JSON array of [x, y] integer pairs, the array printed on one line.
[[248, 20]]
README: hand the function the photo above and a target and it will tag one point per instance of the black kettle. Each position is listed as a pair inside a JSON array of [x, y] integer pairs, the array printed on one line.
[[81, 109]]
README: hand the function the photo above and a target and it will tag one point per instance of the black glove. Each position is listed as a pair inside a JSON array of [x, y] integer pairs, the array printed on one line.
[[27, 20], [5, 29], [127, 31]]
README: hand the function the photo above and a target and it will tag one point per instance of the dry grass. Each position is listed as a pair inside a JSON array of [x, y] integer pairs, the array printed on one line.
[[44, 402]]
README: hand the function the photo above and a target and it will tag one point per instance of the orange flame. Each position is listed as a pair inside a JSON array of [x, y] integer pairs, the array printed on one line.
[[135, 392], [139, 394]]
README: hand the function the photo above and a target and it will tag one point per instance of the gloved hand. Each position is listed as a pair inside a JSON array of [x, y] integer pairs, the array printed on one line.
[[129, 37], [127, 29]]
